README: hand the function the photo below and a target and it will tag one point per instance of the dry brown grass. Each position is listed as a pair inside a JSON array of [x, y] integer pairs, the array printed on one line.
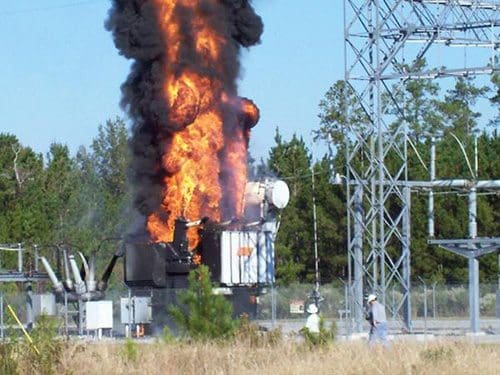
[[285, 358]]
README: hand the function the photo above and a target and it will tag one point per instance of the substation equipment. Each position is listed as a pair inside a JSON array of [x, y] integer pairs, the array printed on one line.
[[77, 294], [239, 254], [384, 43], [26, 276]]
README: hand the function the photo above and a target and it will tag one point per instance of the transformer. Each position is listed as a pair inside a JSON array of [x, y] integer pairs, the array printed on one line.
[[239, 253]]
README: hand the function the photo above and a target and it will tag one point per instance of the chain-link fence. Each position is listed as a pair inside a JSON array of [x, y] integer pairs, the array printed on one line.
[[436, 304], [451, 301], [433, 301], [434, 307]]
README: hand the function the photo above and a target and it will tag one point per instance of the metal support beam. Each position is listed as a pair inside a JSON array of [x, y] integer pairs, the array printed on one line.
[[383, 41], [2, 335], [471, 248], [19, 258], [29, 306], [80, 316], [473, 265], [358, 258], [430, 207], [406, 303], [474, 294]]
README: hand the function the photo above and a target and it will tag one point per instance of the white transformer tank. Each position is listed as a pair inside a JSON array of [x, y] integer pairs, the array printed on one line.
[[247, 257], [242, 253]]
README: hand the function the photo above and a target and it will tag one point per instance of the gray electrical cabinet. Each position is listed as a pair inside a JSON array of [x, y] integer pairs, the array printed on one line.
[[136, 310], [44, 304]]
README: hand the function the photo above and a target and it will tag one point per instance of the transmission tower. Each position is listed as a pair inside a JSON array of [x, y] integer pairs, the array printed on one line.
[[384, 41]]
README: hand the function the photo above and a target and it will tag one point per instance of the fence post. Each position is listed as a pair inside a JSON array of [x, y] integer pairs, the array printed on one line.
[[66, 313], [497, 309], [434, 300], [347, 316], [80, 316], [29, 306], [425, 309], [36, 257], [19, 258], [1, 316], [393, 305], [273, 306], [425, 304]]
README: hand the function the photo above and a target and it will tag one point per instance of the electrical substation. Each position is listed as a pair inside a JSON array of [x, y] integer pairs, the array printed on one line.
[[384, 44]]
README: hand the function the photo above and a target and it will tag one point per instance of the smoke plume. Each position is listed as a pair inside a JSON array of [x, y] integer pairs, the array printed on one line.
[[174, 43]]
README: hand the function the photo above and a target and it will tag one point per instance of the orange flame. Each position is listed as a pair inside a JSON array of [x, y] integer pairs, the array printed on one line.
[[206, 146]]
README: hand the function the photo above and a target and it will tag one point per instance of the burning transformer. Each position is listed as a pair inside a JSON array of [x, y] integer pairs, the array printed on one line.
[[189, 147], [239, 253]]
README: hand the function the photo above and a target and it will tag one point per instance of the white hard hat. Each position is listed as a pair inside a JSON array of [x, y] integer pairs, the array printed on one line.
[[312, 309], [372, 297]]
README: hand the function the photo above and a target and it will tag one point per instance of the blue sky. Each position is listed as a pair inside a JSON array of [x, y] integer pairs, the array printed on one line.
[[60, 73]]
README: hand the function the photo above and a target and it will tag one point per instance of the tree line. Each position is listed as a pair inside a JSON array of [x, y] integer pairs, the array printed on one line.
[[82, 200]]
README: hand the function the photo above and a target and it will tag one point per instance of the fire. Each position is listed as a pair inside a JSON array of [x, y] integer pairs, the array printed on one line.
[[205, 158]]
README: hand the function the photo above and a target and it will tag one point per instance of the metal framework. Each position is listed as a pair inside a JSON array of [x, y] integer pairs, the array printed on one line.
[[21, 275], [384, 39]]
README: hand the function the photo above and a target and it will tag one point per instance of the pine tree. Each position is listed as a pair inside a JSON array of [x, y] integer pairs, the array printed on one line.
[[202, 315]]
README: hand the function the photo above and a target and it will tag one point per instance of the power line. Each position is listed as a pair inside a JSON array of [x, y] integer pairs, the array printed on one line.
[[48, 8]]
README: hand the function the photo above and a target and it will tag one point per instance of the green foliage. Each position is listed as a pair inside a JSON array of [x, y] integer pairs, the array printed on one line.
[[426, 110], [290, 160], [436, 354], [253, 337], [321, 339], [77, 201], [457, 106], [83, 199], [339, 109], [202, 315], [8, 358], [44, 335], [130, 351], [10, 349], [19, 356], [167, 336]]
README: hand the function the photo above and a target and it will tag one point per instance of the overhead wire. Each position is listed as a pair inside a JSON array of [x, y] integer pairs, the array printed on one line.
[[48, 8]]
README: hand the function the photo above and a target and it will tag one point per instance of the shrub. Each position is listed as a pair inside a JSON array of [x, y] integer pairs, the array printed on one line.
[[8, 361], [436, 354], [250, 334], [129, 352], [167, 336], [202, 314], [323, 338], [9, 350], [488, 304], [44, 336]]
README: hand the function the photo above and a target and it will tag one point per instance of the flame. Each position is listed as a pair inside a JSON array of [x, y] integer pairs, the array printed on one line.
[[205, 160]]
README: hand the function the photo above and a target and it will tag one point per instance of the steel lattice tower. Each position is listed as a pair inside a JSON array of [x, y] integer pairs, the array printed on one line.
[[383, 40]]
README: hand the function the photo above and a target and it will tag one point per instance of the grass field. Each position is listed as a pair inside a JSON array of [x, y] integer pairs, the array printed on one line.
[[281, 358]]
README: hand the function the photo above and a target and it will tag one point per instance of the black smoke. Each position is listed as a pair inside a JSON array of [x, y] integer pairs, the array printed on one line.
[[134, 25]]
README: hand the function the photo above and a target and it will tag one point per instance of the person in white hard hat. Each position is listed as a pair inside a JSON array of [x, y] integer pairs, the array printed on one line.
[[378, 320], [312, 322]]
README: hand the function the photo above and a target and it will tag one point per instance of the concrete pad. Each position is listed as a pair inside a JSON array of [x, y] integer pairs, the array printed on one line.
[[358, 336], [475, 334]]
